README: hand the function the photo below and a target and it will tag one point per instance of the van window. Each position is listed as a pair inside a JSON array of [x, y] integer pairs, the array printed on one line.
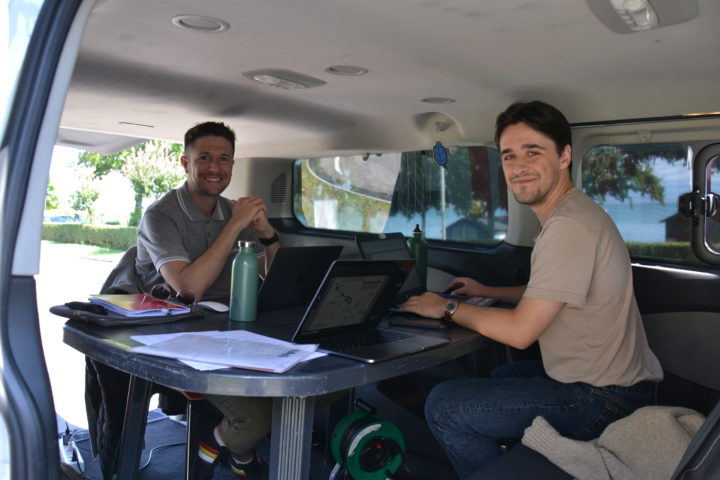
[[712, 220], [639, 185], [392, 192]]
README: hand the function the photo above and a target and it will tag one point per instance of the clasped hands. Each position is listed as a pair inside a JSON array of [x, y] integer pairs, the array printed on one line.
[[251, 211]]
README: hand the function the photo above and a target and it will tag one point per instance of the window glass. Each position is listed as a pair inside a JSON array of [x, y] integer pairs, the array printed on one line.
[[392, 192], [17, 20], [639, 186], [712, 220]]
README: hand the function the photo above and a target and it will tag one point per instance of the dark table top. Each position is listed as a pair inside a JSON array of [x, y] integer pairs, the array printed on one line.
[[318, 376]]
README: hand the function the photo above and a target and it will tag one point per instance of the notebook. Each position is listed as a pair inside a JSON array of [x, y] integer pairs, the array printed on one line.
[[388, 246], [348, 306], [294, 276], [138, 305]]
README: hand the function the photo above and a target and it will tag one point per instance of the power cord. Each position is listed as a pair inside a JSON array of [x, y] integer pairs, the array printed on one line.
[[69, 452], [157, 448]]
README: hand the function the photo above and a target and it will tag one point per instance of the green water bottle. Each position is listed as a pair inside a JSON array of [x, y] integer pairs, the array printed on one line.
[[418, 249], [244, 284]]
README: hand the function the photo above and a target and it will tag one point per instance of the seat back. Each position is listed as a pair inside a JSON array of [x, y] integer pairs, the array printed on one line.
[[686, 345], [123, 278], [702, 457]]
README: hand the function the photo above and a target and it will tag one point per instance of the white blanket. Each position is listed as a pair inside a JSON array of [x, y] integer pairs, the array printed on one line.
[[648, 444]]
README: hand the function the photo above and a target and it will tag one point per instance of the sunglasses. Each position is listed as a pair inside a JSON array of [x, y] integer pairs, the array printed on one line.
[[163, 291]]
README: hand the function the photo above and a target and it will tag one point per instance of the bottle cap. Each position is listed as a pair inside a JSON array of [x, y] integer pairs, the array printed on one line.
[[246, 244], [417, 230]]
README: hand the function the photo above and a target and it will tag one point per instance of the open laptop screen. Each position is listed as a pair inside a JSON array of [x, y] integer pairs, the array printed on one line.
[[354, 294], [347, 301], [391, 246]]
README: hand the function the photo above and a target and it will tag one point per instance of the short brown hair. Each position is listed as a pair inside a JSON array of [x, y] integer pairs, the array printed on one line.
[[216, 129]]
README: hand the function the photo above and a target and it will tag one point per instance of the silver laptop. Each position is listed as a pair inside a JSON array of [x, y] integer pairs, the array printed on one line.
[[352, 300]]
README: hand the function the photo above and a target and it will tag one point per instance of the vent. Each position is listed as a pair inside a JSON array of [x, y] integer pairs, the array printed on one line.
[[278, 190]]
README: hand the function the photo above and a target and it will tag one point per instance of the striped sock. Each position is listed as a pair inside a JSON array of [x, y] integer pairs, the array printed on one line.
[[209, 449]]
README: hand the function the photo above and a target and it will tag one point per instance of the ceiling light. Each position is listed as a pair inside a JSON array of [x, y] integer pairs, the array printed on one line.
[[702, 114], [285, 79], [348, 70], [440, 100], [628, 16], [637, 14], [199, 23]]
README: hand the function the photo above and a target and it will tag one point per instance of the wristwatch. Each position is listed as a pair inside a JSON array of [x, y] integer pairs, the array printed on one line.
[[266, 242], [450, 308]]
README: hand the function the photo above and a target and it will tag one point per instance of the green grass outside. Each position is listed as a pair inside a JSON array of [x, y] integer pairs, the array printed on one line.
[[77, 250]]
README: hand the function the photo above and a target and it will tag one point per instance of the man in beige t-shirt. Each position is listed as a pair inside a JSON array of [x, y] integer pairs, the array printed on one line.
[[578, 304]]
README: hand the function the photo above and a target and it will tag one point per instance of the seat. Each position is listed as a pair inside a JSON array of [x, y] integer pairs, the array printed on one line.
[[107, 389], [690, 381], [521, 463], [123, 278], [702, 457]]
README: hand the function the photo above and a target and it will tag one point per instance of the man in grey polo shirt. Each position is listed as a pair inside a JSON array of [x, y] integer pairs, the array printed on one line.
[[189, 237]]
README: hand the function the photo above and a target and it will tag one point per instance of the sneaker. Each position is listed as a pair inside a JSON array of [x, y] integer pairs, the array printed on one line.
[[255, 470]]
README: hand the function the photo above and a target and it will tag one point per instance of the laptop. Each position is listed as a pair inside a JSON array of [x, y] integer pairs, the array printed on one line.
[[348, 306], [294, 276], [388, 246]]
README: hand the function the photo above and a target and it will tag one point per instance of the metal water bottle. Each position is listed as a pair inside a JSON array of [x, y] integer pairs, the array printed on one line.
[[244, 284], [418, 249]]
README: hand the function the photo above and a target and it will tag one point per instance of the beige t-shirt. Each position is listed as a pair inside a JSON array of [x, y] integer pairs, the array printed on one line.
[[598, 337]]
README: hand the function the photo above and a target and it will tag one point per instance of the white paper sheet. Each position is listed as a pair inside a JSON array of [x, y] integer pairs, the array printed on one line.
[[212, 350]]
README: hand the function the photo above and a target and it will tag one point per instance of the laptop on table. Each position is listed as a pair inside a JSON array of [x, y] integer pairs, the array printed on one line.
[[348, 306], [394, 246], [294, 276]]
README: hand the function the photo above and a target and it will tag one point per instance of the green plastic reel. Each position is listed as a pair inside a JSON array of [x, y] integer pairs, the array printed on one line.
[[367, 447]]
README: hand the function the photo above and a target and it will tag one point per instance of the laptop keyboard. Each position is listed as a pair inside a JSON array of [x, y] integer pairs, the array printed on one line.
[[348, 341]]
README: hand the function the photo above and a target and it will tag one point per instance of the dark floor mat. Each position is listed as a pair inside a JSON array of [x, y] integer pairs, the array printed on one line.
[[164, 455]]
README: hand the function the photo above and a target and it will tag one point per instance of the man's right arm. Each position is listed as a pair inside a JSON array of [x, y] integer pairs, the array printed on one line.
[[199, 275], [473, 288]]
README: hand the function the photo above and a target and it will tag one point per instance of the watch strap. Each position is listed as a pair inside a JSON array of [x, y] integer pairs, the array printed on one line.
[[266, 242]]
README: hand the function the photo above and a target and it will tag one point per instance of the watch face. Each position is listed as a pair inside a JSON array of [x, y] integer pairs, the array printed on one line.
[[451, 306]]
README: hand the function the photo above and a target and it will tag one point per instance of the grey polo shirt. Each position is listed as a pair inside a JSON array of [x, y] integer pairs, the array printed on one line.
[[174, 229]]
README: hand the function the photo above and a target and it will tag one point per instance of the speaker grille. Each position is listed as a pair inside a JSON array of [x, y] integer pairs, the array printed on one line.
[[278, 190]]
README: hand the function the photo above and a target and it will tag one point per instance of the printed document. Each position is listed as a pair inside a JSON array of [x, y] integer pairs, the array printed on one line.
[[222, 349]]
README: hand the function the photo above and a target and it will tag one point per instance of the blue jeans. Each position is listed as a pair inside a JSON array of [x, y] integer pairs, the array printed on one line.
[[469, 417]]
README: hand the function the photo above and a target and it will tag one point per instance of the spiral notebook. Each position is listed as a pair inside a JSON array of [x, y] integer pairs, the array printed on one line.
[[138, 305]]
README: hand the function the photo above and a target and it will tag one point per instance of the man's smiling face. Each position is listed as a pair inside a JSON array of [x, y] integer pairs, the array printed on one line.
[[209, 163], [531, 163]]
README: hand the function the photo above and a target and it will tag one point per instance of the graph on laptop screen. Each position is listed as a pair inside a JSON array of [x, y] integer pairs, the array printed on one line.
[[347, 301]]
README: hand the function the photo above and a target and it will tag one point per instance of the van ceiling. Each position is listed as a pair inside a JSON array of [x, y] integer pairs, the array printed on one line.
[[140, 76]]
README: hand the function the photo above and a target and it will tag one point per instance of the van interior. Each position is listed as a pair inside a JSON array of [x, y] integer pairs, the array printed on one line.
[[343, 111]]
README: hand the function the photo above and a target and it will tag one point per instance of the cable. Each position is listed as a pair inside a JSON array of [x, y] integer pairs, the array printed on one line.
[[69, 450], [157, 448]]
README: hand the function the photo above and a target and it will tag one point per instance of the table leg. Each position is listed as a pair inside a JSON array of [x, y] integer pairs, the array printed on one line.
[[291, 438], [131, 442]]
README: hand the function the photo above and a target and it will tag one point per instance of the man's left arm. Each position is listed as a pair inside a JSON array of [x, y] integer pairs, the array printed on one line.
[[265, 232], [517, 327]]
